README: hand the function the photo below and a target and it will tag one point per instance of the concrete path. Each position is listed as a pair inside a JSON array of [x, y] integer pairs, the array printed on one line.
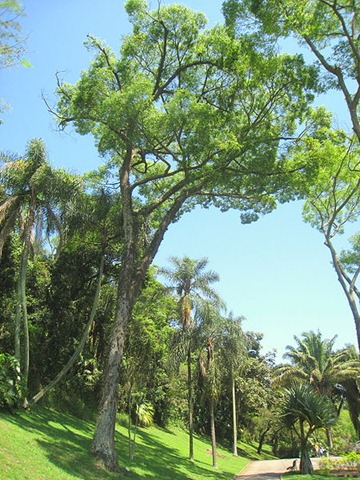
[[268, 469]]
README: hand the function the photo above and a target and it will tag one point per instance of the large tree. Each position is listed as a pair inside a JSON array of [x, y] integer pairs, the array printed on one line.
[[185, 116]]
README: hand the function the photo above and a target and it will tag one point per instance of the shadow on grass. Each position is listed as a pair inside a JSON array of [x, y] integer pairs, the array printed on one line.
[[66, 441], [170, 462]]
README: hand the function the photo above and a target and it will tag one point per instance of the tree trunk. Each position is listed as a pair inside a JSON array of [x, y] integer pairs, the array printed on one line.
[[353, 400], [306, 467], [213, 434], [103, 445], [21, 310], [138, 254], [190, 407], [329, 438], [345, 282], [234, 415], [262, 438], [81, 345]]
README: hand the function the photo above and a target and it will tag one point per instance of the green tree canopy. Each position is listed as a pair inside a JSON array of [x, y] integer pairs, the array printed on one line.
[[330, 29]]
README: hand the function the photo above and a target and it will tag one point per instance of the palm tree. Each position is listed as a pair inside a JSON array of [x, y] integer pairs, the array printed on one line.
[[210, 329], [304, 411], [29, 204], [192, 284], [314, 361], [233, 352]]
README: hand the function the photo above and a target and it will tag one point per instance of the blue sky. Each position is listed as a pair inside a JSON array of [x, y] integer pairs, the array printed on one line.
[[275, 272]]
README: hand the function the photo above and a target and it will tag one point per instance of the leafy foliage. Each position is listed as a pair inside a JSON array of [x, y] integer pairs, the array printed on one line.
[[10, 382]]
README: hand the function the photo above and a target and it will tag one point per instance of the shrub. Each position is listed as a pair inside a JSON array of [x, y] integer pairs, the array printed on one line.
[[10, 382], [351, 461]]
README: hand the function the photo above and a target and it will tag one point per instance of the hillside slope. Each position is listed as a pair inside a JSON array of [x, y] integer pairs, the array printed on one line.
[[48, 445]]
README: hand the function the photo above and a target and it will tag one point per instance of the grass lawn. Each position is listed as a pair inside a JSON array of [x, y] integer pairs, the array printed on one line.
[[316, 476], [47, 445]]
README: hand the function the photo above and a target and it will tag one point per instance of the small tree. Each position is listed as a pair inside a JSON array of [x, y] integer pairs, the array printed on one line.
[[304, 411]]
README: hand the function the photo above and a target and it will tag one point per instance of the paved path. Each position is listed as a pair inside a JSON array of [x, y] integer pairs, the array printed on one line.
[[268, 469]]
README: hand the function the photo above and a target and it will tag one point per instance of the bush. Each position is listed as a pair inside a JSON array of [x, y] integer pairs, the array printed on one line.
[[10, 382], [351, 461]]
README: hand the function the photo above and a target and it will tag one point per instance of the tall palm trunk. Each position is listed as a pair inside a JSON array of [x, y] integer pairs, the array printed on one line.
[[234, 415], [190, 406], [21, 314], [21, 311], [213, 433], [21, 306]]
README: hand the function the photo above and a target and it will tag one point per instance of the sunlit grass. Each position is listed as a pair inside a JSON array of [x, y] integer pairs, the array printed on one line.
[[47, 445]]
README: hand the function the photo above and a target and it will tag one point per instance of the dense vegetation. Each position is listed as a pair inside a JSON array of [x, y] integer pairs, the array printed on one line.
[[209, 117]]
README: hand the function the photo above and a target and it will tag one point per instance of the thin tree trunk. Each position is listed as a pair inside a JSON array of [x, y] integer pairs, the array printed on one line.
[[234, 415], [21, 312], [262, 438], [22, 292], [349, 292], [21, 308], [82, 343], [190, 407], [213, 434], [329, 438]]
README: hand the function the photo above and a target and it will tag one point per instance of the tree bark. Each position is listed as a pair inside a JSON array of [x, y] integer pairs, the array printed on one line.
[[103, 445], [353, 400], [138, 254], [329, 438], [349, 292], [213, 433], [234, 415], [190, 407], [21, 307], [262, 438], [306, 467]]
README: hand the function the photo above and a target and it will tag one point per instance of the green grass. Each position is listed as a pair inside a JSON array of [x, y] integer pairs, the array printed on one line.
[[47, 445], [316, 476]]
